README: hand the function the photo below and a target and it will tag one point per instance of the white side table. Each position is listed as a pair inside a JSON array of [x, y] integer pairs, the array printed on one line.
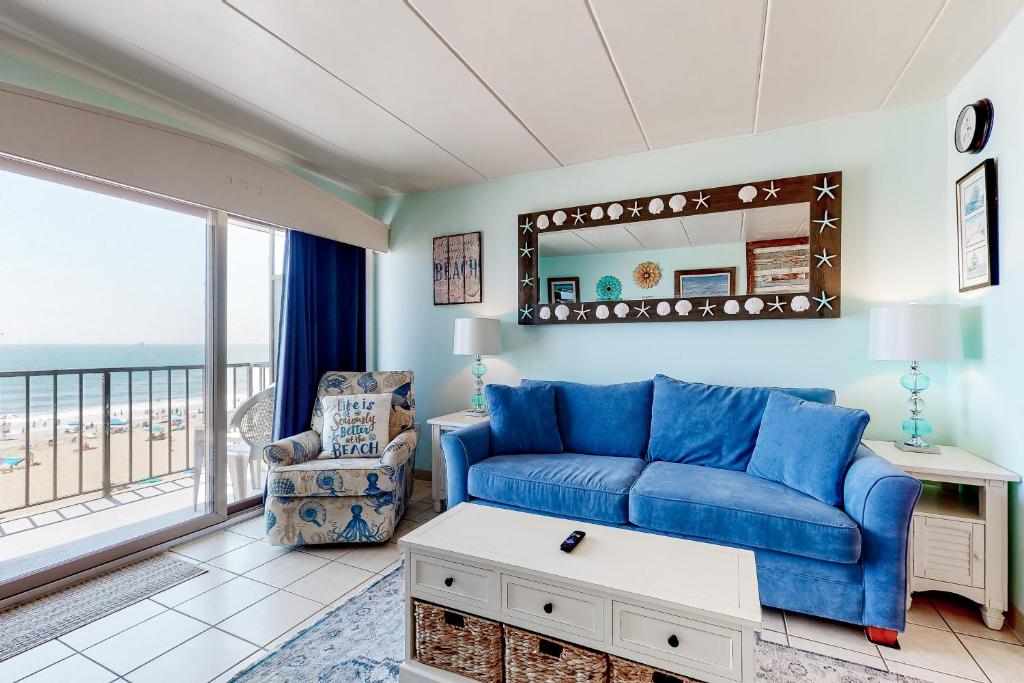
[[438, 426], [958, 537]]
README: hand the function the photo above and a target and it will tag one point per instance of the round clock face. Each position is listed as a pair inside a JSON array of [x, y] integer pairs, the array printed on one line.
[[973, 126], [966, 126]]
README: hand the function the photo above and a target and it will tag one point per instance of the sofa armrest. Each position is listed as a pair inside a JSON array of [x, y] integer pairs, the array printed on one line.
[[401, 448], [293, 449], [880, 498], [462, 449]]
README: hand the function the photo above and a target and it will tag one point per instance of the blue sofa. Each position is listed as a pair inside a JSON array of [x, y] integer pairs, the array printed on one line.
[[669, 458]]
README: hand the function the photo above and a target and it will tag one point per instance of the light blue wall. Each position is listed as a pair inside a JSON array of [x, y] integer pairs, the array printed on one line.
[[590, 268], [894, 249], [27, 74], [986, 397]]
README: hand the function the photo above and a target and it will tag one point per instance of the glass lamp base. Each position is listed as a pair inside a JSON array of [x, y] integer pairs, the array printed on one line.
[[908, 447]]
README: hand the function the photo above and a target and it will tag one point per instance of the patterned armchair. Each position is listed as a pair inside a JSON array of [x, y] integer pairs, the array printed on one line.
[[313, 497]]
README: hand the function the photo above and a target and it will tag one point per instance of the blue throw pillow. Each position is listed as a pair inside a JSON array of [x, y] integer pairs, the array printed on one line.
[[523, 419], [807, 446], [707, 424], [603, 419]]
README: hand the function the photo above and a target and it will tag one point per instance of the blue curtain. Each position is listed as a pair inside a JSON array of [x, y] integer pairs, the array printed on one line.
[[323, 323]]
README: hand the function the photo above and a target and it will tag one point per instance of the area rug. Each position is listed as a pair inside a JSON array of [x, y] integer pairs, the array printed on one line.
[[362, 641], [33, 623]]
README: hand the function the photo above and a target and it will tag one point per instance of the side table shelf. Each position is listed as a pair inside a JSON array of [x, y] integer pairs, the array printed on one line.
[[959, 533]]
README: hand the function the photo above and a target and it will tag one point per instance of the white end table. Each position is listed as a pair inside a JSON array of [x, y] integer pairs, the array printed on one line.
[[438, 426], [958, 537]]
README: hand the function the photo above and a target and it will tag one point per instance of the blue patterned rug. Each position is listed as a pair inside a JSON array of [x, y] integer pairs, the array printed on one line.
[[363, 642]]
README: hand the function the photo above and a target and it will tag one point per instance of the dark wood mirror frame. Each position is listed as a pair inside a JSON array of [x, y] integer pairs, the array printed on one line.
[[822, 191]]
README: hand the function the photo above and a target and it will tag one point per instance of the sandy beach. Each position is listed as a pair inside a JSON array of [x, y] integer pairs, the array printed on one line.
[[168, 456]]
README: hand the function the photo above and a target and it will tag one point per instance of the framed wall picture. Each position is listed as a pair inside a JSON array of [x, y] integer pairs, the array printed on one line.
[[781, 266], [563, 290], [976, 227], [705, 282], [458, 269]]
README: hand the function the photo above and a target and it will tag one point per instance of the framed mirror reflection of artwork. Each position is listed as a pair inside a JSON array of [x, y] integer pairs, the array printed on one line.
[[766, 249]]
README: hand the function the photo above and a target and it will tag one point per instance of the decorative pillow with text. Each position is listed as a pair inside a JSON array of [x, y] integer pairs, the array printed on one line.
[[355, 426]]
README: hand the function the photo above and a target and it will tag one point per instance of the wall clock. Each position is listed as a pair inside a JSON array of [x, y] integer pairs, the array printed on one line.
[[973, 127]]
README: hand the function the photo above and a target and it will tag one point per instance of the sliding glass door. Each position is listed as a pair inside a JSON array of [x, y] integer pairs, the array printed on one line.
[[113, 405]]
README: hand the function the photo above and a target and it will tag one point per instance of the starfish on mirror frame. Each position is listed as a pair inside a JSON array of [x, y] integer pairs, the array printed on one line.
[[642, 309], [581, 312], [707, 308], [825, 189], [525, 251], [826, 222], [702, 200], [634, 210], [526, 311], [527, 281], [577, 217], [825, 258], [776, 305], [771, 192], [527, 226], [823, 301]]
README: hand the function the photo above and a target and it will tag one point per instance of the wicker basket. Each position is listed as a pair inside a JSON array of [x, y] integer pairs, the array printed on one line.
[[458, 642], [625, 671], [530, 658]]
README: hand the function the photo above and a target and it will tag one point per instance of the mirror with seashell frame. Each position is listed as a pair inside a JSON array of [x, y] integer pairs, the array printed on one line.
[[762, 250]]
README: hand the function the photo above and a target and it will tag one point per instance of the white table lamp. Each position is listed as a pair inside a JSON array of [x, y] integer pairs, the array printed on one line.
[[477, 337], [915, 333]]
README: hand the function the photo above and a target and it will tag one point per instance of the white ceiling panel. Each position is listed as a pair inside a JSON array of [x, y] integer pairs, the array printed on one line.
[[829, 59], [564, 243], [664, 234], [547, 62], [961, 33], [714, 228], [219, 49], [776, 222], [409, 72], [690, 68]]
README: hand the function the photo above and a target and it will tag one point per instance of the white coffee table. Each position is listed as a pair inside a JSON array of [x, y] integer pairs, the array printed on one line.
[[686, 607]]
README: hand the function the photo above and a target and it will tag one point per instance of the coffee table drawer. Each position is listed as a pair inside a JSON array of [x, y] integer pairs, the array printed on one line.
[[467, 584], [559, 608], [703, 646]]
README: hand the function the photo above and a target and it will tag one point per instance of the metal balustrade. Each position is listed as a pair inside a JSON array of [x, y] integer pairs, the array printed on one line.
[[158, 427]]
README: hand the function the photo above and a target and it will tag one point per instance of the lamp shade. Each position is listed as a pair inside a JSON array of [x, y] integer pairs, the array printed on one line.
[[477, 336], [921, 332]]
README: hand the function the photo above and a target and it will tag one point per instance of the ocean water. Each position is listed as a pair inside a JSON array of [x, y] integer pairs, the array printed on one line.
[[27, 357]]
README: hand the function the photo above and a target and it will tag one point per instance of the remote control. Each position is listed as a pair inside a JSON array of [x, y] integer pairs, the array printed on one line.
[[569, 544]]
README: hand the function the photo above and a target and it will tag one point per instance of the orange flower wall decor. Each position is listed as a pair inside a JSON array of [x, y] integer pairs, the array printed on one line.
[[647, 274]]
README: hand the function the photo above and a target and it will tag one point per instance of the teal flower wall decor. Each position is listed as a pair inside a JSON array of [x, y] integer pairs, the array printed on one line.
[[609, 288]]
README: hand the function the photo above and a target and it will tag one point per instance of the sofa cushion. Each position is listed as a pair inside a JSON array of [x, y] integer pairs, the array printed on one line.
[[572, 484], [332, 477], [707, 424], [608, 419], [807, 446], [736, 507], [523, 419]]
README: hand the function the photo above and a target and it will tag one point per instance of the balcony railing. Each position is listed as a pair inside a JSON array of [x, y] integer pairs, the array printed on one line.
[[139, 421]]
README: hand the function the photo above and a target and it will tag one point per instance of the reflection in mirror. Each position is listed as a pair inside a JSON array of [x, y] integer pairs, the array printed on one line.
[[753, 251]]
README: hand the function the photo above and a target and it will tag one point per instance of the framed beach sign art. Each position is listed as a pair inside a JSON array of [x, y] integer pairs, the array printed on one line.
[[563, 290], [458, 269], [976, 227], [705, 282]]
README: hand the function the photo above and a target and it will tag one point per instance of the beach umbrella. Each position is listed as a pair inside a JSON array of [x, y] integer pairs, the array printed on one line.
[[117, 422]]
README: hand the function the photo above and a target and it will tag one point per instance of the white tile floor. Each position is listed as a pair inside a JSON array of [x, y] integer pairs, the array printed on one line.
[[255, 597]]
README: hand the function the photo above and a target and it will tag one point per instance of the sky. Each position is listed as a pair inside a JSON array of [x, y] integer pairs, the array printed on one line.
[[79, 267]]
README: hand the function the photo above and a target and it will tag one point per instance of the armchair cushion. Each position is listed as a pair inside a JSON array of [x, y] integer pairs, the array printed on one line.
[[356, 425], [333, 477], [293, 449]]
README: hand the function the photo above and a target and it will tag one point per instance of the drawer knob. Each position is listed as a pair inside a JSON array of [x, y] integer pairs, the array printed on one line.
[[548, 608], [449, 581], [673, 641]]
